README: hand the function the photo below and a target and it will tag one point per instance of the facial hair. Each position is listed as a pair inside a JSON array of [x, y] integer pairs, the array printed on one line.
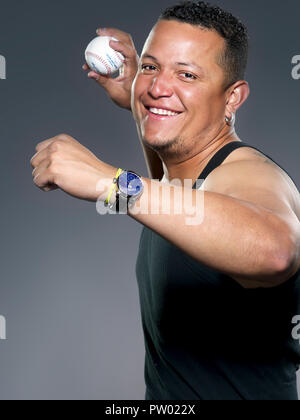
[[174, 148]]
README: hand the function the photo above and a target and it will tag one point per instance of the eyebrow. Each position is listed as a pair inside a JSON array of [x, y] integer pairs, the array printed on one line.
[[190, 64]]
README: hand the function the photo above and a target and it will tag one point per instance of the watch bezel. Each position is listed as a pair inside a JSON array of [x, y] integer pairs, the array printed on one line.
[[128, 196]]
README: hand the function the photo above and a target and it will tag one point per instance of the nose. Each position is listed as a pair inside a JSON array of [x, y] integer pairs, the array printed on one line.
[[161, 86]]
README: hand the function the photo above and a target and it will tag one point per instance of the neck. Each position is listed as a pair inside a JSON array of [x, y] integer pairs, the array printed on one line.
[[192, 166]]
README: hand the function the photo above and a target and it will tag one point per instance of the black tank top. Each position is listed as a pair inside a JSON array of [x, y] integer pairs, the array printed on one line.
[[208, 338]]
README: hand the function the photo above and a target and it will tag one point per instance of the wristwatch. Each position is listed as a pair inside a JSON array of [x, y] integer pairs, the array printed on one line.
[[130, 187]]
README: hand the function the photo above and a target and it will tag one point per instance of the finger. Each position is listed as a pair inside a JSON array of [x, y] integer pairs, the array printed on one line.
[[42, 152], [93, 75], [39, 157], [39, 168], [127, 51], [43, 144], [102, 79], [42, 147], [50, 188], [116, 33], [44, 179]]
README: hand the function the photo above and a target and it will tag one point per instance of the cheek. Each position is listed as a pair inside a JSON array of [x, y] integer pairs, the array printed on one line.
[[136, 92], [196, 94], [140, 86], [204, 101], [197, 103]]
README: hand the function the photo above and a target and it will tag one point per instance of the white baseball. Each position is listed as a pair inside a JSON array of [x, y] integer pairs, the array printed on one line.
[[101, 58]]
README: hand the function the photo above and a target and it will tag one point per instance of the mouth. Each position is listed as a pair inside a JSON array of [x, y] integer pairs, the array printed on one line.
[[161, 114]]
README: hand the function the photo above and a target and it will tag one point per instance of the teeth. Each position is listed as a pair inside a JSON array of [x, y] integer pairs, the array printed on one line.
[[163, 112]]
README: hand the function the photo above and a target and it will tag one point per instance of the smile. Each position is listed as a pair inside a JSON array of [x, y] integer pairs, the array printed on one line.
[[159, 113], [163, 112]]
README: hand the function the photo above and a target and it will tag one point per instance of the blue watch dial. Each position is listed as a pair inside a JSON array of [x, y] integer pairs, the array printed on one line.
[[130, 184]]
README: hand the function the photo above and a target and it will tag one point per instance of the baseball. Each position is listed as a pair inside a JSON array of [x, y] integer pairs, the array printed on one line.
[[101, 58]]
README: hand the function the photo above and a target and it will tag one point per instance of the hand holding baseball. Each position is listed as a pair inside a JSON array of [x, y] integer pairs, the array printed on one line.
[[118, 89]]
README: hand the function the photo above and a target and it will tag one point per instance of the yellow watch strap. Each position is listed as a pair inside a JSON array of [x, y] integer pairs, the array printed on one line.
[[114, 185]]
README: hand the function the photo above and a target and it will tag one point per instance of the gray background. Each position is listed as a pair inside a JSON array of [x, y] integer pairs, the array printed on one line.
[[67, 281]]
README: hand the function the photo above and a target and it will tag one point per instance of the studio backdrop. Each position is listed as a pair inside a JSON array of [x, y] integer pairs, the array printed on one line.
[[69, 306]]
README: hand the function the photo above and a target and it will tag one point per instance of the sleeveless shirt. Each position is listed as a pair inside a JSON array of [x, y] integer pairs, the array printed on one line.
[[208, 338]]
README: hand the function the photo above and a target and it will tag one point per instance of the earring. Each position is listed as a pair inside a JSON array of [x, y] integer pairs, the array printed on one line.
[[230, 121]]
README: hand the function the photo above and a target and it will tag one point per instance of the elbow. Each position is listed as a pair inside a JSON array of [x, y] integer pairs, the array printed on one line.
[[285, 254], [285, 265]]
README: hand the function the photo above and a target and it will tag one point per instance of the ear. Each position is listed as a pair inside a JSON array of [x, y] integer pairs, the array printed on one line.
[[237, 95]]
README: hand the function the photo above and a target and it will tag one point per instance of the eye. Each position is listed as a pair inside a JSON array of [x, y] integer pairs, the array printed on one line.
[[188, 76], [148, 67]]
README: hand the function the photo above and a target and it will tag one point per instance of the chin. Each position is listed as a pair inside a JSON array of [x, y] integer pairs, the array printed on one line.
[[156, 140], [159, 144]]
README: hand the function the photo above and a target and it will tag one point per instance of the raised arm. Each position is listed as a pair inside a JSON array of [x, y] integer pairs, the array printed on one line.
[[119, 89]]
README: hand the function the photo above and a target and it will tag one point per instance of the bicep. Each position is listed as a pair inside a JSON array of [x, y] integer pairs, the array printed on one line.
[[265, 187], [268, 189]]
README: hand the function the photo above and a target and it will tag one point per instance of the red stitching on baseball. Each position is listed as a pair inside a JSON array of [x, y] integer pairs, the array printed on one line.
[[106, 65]]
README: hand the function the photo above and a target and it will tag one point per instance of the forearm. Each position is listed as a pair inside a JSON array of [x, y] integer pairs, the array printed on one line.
[[235, 237]]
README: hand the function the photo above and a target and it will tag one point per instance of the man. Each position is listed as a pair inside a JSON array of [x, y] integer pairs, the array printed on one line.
[[217, 297]]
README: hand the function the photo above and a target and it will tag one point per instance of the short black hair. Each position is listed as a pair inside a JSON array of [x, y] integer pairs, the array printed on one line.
[[199, 13]]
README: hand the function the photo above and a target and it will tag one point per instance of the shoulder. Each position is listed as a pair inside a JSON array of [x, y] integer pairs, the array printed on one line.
[[242, 163], [245, 169], [246, 154]]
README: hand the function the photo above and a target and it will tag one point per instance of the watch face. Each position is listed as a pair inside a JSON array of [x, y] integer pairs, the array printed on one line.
[[130, 184]]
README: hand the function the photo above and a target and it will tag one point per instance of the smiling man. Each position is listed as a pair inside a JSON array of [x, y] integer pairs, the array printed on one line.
[[180, 94], [218, 298]]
